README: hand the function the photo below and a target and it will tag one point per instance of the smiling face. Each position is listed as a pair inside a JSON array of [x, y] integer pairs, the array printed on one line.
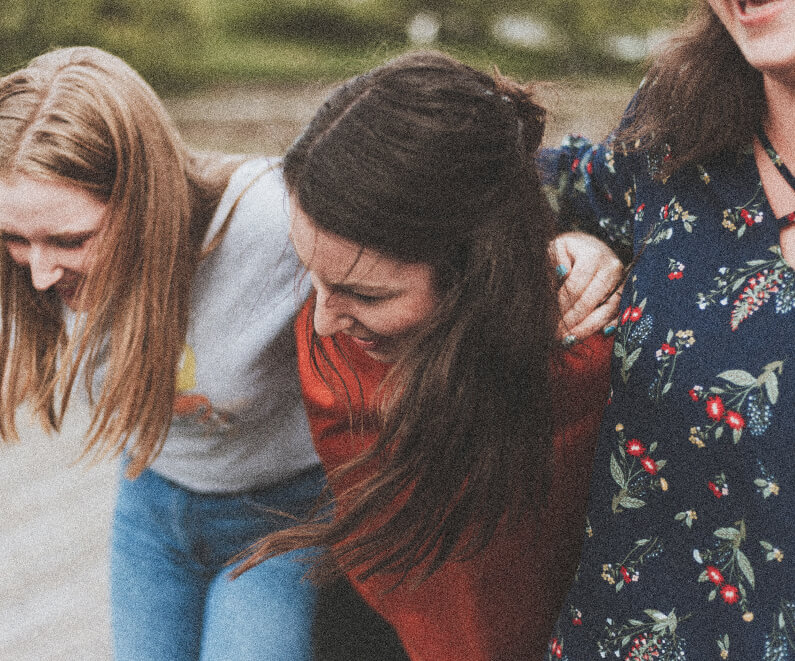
[[52, 229], [381, 303], [763, 30]]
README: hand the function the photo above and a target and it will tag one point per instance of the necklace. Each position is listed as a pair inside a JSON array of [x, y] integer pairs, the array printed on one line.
[[773, 154], [780, 166]]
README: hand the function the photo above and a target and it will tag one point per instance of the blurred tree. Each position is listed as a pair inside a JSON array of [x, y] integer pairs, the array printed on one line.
[[179, 43], [324, 21], [160, 39]]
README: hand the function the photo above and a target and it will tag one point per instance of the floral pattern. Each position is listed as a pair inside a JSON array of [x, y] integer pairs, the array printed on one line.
[[689, 552]]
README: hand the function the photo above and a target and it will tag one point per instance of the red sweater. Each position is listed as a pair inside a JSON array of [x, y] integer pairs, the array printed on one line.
[[502, 604]]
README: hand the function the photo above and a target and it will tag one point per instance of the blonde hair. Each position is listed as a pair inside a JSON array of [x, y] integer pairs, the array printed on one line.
[[83, 117]]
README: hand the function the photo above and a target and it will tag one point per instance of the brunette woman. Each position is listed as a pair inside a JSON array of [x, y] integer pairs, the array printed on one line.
[[439, 398], [691, 539]]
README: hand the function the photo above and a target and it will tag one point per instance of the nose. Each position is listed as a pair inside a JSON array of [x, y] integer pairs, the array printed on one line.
[[330, 317], [44, 270]]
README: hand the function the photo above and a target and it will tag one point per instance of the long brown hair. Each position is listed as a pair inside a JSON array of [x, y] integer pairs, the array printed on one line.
[[426, 160], [700, 97], [83, 117]]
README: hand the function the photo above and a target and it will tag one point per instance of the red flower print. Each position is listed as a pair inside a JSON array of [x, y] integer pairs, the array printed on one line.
[[635, 448], [730, 594], [632, 313], [576, 621], [625, 575], [715, 489], [714, 575], [648, 465], [575, 164], [668, 349], [665, 211], [675, 275], [642, 206], [555, 648], [791, 217], [715, 407], [589, 167], [747, 217], [734, 420], [693, 394]]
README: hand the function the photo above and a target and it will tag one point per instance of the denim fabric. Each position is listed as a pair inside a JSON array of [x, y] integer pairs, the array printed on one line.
[[171, 599]]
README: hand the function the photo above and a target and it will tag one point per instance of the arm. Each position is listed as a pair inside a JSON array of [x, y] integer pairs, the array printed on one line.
[[592, 190]]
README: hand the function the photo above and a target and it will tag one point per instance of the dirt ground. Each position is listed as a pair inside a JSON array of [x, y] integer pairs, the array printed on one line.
[[266, 120], [55, 514]]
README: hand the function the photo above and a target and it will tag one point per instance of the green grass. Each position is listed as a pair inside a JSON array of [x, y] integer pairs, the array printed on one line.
[[283, 61]]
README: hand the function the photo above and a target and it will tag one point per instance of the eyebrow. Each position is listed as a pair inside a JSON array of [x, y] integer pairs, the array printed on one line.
[[53, 238]]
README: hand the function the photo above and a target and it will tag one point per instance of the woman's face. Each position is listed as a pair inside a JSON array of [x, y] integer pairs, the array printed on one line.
[[52, 230], [381, 303], [763, 30]]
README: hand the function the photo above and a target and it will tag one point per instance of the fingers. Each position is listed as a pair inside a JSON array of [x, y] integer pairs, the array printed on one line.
[[601, 319], [588, 297], [590, 312], [576, 305]]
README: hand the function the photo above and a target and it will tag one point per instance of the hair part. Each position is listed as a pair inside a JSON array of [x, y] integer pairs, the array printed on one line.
[[426, 160], [83, 117]]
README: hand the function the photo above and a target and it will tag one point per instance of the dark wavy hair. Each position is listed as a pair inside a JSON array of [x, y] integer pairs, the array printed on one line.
[[426, 160], [700, 96]]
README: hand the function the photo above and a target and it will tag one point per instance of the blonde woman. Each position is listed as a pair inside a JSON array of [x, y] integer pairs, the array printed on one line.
[[127, 259]]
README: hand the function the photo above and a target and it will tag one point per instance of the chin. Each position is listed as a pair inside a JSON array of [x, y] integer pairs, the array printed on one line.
[[382, 356]]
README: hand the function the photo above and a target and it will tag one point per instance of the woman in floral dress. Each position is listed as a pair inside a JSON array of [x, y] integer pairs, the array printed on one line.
[[690, 539]]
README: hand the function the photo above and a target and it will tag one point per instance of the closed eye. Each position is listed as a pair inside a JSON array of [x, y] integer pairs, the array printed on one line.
[[364, 298], [13, 238], [71, 243]]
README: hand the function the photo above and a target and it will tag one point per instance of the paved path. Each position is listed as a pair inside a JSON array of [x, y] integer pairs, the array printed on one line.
[[54, 522]]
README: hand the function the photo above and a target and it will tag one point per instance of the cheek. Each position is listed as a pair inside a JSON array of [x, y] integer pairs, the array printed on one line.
[[404, 317], [83, 259]]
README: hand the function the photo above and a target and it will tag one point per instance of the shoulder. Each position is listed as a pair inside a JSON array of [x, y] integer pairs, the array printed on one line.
[[254, 204], [257, 185]]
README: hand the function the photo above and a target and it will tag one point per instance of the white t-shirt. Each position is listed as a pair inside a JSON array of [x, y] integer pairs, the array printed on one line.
[[239, 420]]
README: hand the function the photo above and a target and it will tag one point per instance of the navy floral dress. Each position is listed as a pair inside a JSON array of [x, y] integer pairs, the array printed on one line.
[[689, 549]]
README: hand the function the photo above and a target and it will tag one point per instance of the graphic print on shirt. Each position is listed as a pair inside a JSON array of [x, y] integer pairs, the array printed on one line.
[[627, 570], [780, 642], [192, 406]]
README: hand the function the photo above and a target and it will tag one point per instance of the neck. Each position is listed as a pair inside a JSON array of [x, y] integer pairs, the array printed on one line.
[[780, 116]]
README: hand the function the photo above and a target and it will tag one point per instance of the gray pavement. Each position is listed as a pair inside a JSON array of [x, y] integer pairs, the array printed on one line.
[[54, 524]]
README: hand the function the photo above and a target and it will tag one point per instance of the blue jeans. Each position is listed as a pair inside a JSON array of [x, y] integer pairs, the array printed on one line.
[[171, 599]]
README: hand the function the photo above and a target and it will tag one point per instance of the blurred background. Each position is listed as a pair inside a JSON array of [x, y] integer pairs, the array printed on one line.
[[246, 75], [185, 44]]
